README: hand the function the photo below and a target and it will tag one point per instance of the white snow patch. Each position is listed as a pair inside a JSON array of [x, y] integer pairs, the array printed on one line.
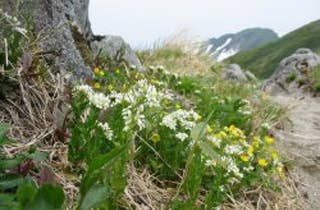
[[222, 46], [209, 48], [226, 54]]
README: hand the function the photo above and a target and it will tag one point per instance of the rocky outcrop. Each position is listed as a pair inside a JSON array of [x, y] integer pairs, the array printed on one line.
[[292, 71], [55, 23], [235, 73], [114, 46]]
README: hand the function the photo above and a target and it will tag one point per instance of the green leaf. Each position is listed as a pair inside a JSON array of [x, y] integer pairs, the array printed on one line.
[[96, 195], [10, 181], [10, 163], [107, 159], [102, 161], [197, 131], [26, 193], [48, 197], [7, 202], [206, 148], [193, 181], [3, 130], [38, 156]]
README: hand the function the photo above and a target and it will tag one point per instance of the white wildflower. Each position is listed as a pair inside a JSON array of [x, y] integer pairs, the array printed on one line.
[[233, 149], [169, 121], [215, 141], [209, 163], [107, 130], [181, 136]]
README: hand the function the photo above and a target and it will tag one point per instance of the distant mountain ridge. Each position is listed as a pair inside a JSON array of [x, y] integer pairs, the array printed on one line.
[[264, 60], [231, 44]]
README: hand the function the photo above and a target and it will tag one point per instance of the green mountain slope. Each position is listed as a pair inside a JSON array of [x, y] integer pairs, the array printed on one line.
[[264, 60]]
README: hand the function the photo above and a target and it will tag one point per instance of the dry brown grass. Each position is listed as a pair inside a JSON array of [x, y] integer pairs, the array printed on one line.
[[145, 191], [179, 54], [35, 112]]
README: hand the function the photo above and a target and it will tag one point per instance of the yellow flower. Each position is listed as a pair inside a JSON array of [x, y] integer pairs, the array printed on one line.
[[256, 138], [242, 140], [178, 106], [250, 151], [256, 142], [96, 70], [280, 172], [209, 129], [117, 71], [244, 158], [269, 140], [110, 87], [220, 135], [97, 85], [234, 131], [274, 155], [199, 118], [155, 138], [101, 73], [262, 162]]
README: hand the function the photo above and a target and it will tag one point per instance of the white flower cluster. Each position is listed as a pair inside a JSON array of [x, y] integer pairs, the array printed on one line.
[[213, 140], [231, 166], [98, 100], [233, 149], [182, 119], [106, 129], [181, 136], [140, 96], [186, 119]]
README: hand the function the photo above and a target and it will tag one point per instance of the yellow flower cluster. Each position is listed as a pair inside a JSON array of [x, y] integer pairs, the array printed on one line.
[[98, 71], [250, 153]]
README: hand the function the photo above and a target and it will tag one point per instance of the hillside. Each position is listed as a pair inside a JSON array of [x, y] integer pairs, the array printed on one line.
[[230, 44], [263, 60], [85, 124]]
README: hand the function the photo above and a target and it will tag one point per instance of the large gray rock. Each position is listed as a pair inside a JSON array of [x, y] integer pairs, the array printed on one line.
[[235, 73], [55, 22], [291, 70], [114, 46]]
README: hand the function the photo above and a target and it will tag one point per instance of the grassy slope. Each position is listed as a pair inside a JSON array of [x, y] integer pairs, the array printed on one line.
[[264, 60]]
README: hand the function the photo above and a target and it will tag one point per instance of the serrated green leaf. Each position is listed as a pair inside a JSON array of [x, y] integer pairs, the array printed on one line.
[[96, 195]]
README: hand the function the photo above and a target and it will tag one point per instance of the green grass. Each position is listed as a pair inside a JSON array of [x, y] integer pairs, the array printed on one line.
[[315, 78], [264, 60]]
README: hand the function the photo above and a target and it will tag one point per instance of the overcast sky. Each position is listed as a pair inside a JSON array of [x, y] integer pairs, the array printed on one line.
[[142, 22]]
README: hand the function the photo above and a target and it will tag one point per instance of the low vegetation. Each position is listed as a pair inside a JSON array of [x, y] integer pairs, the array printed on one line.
[[161, 139], [263, 61], [314, 76]]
